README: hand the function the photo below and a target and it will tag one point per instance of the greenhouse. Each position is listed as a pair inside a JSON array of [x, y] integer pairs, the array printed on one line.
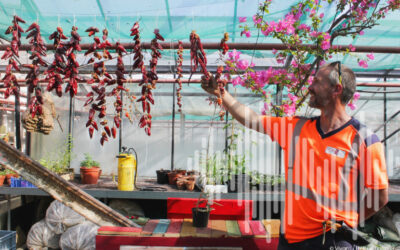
[[124, 123]]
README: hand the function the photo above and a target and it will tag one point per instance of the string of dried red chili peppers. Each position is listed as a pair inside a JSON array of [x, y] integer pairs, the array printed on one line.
[[100, 77], [38, 50], [221, 82], [197, 54], [120, 77], [67, 67], [10, 80], [179, 75]]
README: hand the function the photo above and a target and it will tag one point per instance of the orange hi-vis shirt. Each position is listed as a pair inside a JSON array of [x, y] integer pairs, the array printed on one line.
[[325, 173]]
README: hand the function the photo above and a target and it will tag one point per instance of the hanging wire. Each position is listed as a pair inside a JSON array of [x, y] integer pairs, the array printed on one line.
[[379, 92]]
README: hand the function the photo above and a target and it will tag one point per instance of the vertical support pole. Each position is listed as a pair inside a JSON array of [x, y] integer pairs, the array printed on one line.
[[173, 124], [70, 127], [278, 101], [17, 123], [28, 134], [385, 117], [120, 129], [226, 122], [8, 212]]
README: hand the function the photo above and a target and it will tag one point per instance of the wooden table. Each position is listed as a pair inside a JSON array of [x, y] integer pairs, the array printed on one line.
[[245, 234]]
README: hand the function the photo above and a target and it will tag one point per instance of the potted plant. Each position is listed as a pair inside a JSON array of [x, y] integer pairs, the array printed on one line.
[[162, 176], [238, 179], [174, 175], [59, 161], [9, 174], [90, 170], [3, 174], [201, 212], [271, 182]]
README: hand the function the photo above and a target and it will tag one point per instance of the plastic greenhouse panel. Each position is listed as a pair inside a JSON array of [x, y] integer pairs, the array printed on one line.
[[7, 240]]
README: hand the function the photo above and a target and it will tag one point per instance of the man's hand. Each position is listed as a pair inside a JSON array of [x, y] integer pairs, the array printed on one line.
[[210, 85]]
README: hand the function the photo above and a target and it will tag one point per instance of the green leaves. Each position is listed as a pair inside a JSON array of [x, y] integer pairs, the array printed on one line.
[[89, 162]]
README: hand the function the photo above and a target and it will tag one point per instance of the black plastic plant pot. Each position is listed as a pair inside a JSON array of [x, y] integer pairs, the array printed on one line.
[[239, 183], [200, 216], [162, 176]]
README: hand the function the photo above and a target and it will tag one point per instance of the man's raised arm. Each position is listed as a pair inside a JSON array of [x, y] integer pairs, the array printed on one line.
[[240, 112]]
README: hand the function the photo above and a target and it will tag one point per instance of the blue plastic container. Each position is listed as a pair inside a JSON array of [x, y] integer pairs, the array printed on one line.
[[19, 182], [7, 240]]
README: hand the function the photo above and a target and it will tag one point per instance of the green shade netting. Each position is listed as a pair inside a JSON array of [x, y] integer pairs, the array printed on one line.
[[176, 19]]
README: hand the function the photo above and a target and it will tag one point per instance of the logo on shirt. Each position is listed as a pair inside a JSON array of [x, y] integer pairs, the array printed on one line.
[[336, 152]]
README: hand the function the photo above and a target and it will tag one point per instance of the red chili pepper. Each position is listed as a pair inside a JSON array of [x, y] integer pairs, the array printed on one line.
[[144, 106], [91, 113], [114, 132], [94, 124], [91, 132], [117, 121], [148, 107], [108, 131]]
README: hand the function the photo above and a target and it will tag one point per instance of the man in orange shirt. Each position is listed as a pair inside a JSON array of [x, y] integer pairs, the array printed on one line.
[[335, 168]]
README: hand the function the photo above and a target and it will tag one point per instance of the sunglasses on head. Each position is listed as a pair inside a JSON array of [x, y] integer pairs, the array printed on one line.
[[339, 70]]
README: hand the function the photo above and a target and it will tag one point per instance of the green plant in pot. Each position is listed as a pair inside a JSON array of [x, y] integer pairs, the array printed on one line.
[[201, 212], [59, 161], [90, 170], [238, 179], [3, 174]]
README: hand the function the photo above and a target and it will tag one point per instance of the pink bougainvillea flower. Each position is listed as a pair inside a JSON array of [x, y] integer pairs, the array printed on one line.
[[237, 81], [314, 33], [352, 48], [242, 64], [352, 106], [371, 56], [289, 109], [274, 51], [265, 109], [234, 54], [256, 19], [363, 64], [325, 45], [321, 15], [246, 33], [361, 33], [293, 98], [242, 19], [356, 96]]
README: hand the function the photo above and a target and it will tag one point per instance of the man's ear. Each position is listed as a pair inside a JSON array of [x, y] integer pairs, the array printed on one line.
[[338, 90]]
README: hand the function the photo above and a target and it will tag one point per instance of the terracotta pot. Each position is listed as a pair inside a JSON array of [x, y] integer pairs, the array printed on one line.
[[190, 184], [2, 178], [173, 177], [90, 175], [181, 183], [8, 178], [180, 171]]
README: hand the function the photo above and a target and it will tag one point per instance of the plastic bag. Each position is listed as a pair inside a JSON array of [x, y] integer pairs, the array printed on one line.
[[60, 217], [40, 237], [80, 237]]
